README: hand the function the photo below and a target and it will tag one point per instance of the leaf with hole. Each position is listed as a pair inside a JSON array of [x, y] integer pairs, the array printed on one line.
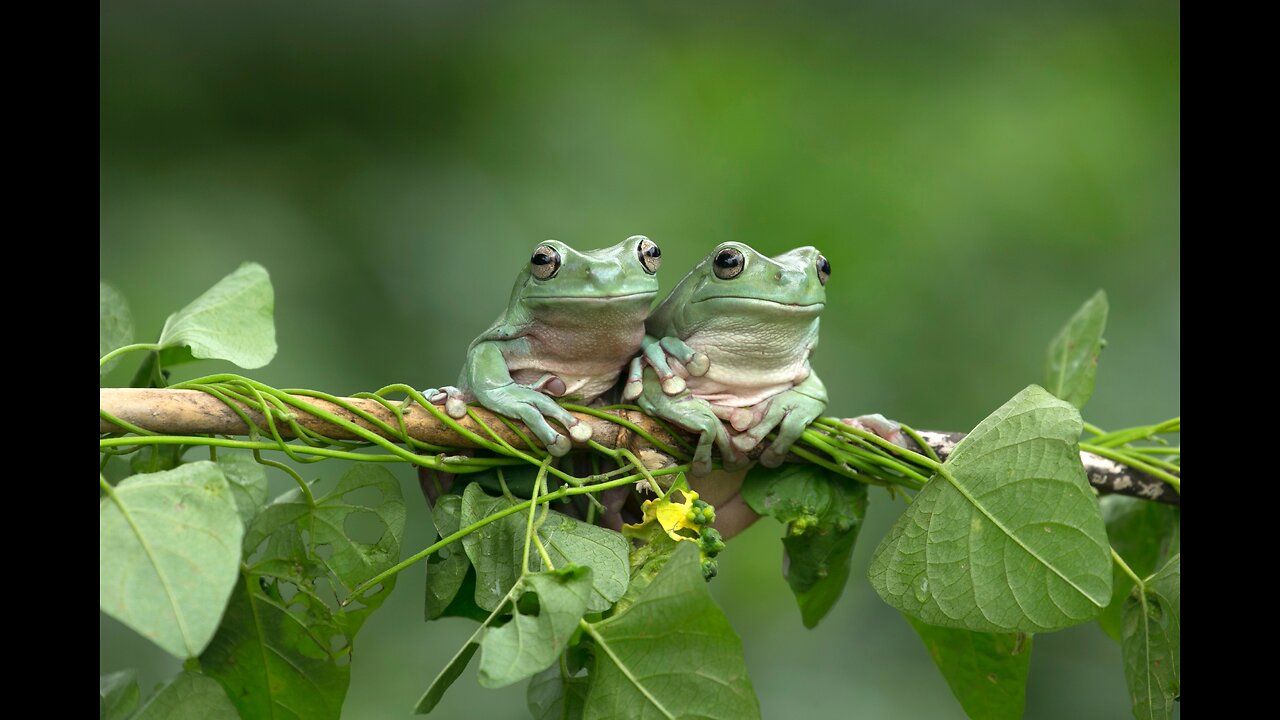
[[1151, 643], [169, 551], [1007, 536], [1071, 364], [533, 640], [115, 324], [189, 696], [497, 550], [233, 320], [822, 513], [987, 672], [284, 648], [670, 654]]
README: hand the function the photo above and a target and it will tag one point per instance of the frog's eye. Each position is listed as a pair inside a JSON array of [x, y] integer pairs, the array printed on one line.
[[824, 269], [729, 263], [650, 255], [545, 262]]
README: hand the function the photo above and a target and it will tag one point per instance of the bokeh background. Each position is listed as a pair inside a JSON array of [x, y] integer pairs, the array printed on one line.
[[974, 171]]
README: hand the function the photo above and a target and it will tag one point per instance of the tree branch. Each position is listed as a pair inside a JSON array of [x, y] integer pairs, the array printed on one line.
[[191, 412]]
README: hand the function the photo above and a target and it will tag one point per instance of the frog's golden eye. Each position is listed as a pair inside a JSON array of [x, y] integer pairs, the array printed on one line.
[[824, 269], [545, 262], [650, 254], [729, 263]]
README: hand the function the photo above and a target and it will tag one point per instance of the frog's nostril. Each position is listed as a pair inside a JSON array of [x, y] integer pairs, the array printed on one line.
[[778, 276]]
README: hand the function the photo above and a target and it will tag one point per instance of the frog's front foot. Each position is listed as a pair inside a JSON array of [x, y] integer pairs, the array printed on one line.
[[789, 413], [880, 426], [533, 409], [659, 354], [453, 400], [697, 416]]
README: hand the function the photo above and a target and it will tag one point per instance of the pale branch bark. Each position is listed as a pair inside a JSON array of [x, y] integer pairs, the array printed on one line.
[[191, 412]]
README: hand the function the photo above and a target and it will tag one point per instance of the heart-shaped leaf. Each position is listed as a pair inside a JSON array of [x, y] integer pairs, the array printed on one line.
[[1008, 536], [233, 320], [169, 552]]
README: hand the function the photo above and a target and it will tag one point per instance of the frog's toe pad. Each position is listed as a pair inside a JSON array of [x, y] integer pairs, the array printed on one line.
[[673, 385], [560, 446], [744, 442], [580, 432], [632, 390], [698, 365], [455, 407]]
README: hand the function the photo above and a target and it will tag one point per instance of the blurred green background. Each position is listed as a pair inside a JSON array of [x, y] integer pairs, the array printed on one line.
[[974, 171]]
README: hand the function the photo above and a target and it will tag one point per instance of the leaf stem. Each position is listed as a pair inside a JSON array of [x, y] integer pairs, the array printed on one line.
[[127, 349]]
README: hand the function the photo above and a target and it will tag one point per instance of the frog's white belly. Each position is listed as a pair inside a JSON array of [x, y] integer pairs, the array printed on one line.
[[751, 364], [586, 351]]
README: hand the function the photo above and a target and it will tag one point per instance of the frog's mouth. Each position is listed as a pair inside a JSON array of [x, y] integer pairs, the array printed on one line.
[[591, 298], [813, 307]]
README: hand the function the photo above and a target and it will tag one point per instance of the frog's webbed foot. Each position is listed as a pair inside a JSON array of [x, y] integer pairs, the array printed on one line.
[[695, 415], [533, 409], [453, 400], [789, 413], [655, 353], [881, 426]]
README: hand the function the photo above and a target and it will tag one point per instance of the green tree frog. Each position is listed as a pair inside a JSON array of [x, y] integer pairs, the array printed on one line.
[[732, 343], [573, 321]]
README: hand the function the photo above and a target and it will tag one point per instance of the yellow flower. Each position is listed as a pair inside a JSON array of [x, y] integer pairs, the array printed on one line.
[[673, 517]]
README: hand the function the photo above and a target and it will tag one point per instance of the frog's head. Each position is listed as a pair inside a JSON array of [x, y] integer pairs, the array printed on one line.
[[735, 278], [559, 275]]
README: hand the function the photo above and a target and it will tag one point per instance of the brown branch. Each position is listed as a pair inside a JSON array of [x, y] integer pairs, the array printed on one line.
[[191, 412]]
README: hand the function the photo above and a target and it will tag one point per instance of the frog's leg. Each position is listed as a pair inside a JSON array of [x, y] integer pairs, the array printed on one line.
[[788, 412], [488, 377], [654, 352], [691, 414]]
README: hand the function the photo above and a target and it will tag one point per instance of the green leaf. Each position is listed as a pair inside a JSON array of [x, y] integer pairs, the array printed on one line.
[[987, 672], [115, 324], [189, 696], [1143, 533], [275, 651], [670, 654], [464, 604], [169, 549], [532, 641], [284, 647], [553, 696], [248, 481], [497, 550], [447, 567], [447, 676], [1007, 537], [231, 321], [1151, 643], [823, 513], [156, 458], [1071, 364], [349, 560], [119, 694]]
